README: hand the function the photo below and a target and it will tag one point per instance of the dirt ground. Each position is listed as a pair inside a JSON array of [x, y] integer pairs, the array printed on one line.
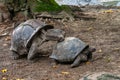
[[103, 33]]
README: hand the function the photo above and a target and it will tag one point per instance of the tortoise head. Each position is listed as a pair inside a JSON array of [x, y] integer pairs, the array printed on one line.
[[88, 51], [55, 35], [92, 49]]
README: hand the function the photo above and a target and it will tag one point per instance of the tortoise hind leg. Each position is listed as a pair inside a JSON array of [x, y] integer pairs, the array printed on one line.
[[78, 60], [15, 55]]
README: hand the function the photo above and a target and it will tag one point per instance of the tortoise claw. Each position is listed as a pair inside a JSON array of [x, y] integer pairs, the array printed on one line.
[[15, 56], [73, 66]]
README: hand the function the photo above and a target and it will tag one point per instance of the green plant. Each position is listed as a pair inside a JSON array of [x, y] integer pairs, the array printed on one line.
[[47, 5]]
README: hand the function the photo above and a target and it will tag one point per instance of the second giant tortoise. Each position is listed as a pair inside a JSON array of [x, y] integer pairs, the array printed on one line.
[[72, 50], [29, 35]]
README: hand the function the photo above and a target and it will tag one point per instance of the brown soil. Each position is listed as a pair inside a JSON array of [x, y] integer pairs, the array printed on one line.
[[103, 33]]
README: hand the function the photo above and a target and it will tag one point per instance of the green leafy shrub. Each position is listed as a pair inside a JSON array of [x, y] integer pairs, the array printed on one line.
[[50, 6], [47, 5]]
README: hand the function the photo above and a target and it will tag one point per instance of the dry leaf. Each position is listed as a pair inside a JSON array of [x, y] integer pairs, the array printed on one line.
[[55, 66], [116, 49], [100, 51], [88, 62], [65, 73], [19, 79], [90, 28], [4, 70], [109, 11], [4, 78], [5, 45], [108, 59], [7, 38]]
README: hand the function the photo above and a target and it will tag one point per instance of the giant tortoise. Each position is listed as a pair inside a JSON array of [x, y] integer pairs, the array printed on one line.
[[29, 35], [72, 50]]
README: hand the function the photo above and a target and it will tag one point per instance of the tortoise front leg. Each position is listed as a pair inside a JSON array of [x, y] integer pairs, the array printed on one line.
[[32, 52], [34, 48], [78, 60], [54, 61]]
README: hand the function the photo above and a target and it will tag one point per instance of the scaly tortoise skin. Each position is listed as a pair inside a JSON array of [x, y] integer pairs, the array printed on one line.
[[30, 33], [72, 50]]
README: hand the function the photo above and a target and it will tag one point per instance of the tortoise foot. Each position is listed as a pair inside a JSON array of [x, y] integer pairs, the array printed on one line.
[[76, 63], [53, 62], [15, 56], [78, 60]]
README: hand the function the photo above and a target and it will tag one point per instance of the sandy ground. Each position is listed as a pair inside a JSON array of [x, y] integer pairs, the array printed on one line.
[[103, 33]]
